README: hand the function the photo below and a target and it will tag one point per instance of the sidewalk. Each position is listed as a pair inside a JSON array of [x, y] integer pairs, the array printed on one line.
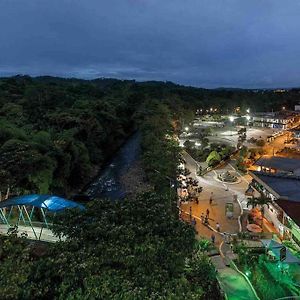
[[221, 195], [216, 213]]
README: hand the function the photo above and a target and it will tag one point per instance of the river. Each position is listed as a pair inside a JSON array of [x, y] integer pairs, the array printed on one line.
[[108, 183]]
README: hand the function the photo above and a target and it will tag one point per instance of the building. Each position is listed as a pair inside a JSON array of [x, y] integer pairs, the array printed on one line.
[[295, 132], [278, 165], [278, 178], [284, 212], [280, 120]]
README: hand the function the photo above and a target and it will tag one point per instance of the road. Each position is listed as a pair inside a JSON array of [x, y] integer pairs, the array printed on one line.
[[279, 143]]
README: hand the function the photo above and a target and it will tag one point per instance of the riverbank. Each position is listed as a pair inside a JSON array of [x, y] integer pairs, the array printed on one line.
[[109, 182]]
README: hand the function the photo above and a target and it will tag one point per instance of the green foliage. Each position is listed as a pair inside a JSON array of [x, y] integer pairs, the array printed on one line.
[[253, 202], [53, 132], [243, 152], [213, 158], [260, 143], [161, 151], [132, 249], [54, 116]]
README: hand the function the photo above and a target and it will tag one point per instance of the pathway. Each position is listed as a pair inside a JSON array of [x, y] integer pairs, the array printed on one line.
[[233, 283], [216, 209], [235, 286]]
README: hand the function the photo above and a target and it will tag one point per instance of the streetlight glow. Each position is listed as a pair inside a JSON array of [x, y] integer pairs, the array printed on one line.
[[186, 129], [248, 118], [231, 118], [248, 110]]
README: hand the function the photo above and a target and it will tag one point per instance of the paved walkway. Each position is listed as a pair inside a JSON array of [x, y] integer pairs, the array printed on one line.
[[221, 196], [235, 286]]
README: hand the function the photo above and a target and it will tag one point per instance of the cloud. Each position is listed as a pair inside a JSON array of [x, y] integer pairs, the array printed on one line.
[[204, 43]]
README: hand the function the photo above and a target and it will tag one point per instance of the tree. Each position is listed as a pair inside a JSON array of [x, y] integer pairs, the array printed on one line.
[[131, 249], [213, 158], [260, 201], [260, 143]]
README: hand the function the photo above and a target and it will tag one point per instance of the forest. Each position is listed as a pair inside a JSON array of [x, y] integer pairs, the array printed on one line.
[[55, 133]]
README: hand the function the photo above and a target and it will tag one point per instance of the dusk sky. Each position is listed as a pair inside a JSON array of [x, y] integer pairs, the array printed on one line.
[[205, 43]]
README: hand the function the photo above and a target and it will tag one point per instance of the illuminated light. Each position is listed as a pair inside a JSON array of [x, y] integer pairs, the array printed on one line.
[[211, 109], [215, 109], [231, 118], [283, 107], [248, 118], [248, 110], [248, 273], [186, 129]]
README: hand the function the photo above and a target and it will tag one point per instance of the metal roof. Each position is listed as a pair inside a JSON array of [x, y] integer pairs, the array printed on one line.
[[284, 187], [49, 202], [275, 248], [278, 162]]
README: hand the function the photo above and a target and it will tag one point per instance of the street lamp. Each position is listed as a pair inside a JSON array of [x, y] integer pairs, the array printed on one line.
[[231, 119], [186, 129]]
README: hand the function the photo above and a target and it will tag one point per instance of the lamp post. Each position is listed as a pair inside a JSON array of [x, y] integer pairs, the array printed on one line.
[[231, 119], [248, 118]]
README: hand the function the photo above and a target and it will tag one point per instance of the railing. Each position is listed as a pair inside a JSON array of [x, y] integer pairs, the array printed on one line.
[[33, 233]]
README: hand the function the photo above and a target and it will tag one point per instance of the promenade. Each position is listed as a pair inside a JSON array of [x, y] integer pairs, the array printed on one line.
[[222, 194]]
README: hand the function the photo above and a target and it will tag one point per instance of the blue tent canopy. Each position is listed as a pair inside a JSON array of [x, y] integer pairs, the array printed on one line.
[[49, 202]]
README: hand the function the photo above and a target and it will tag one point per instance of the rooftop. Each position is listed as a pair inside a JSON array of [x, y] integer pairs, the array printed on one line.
[[285, 187], [49, 202], [278, 162]]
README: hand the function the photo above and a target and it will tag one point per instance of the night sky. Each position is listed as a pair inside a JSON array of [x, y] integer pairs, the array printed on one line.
[[208, 43]]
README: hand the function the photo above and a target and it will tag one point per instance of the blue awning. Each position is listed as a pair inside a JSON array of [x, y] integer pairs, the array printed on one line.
[[49, 202]]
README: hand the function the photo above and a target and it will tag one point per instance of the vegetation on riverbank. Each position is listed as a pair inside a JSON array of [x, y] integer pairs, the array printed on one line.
[[55, 133]]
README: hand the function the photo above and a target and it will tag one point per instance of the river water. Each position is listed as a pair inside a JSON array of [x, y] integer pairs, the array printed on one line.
[[108, 184]]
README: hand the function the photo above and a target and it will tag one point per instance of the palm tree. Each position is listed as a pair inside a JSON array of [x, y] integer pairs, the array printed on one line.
[[252, 202], [262, 201]]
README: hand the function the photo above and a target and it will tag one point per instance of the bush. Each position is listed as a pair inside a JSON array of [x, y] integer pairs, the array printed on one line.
[[260, 143], [213, 158]]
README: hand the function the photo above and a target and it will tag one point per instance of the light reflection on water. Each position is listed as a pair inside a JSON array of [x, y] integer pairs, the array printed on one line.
[[108, 184]]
